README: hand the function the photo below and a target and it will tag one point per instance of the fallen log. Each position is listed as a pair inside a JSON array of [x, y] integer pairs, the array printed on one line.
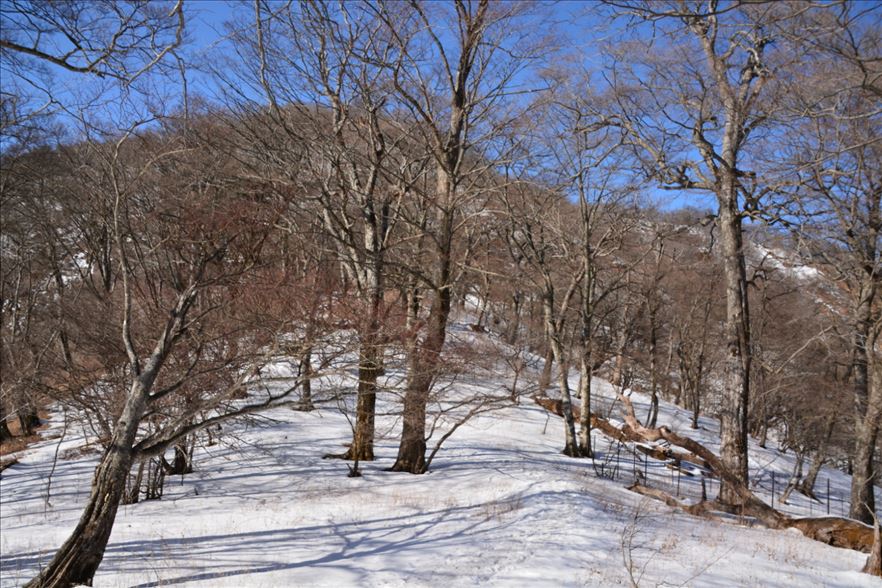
[[836, 531], [623, 434]]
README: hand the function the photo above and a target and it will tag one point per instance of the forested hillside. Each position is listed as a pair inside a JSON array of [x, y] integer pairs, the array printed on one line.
[[367, 249]]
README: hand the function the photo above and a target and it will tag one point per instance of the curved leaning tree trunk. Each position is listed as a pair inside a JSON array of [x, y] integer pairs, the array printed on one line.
[[79, 557]]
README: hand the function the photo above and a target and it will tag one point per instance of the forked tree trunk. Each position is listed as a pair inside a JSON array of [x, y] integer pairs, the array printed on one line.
[[133, 495], [795, 475]]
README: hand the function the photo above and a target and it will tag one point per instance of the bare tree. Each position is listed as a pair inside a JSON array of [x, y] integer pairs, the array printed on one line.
[[118, 41], [835, 146], [541, 239], [451, 73], [691, 111], [351, 161], [587, 165], [192, 334]]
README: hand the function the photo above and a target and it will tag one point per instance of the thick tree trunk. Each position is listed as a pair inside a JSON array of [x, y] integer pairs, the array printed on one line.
[[868, 410], [426, 355], [79, 557], [423, 367], [863, 501], [370, 359], [5, 433], [412, 449], [736, 365], [362, 447]]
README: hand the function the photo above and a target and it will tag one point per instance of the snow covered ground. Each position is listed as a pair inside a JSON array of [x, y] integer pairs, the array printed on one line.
[[500, 507]]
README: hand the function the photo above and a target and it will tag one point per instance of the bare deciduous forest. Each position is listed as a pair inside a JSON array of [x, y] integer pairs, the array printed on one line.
[[455, 292]]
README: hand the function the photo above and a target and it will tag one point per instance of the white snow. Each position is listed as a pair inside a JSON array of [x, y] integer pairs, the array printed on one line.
[[500, 507]]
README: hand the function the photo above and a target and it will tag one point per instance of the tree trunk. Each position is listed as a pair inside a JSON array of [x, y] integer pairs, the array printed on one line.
[[652, 417], [306, 387], [545, 376], [424, 362], [570, 446], [807, 486], [426, 355], [412, 449], [863, 500], [585, 449], [795, 476], [868, 410], [653, 304], [736, 365], [78, 559], [362, 447], [874, 561], [134, 491], [512, 333], [696, 409], [5, 433]]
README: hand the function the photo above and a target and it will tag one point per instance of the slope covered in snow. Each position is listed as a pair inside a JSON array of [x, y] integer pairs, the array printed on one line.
[[499, 507]]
